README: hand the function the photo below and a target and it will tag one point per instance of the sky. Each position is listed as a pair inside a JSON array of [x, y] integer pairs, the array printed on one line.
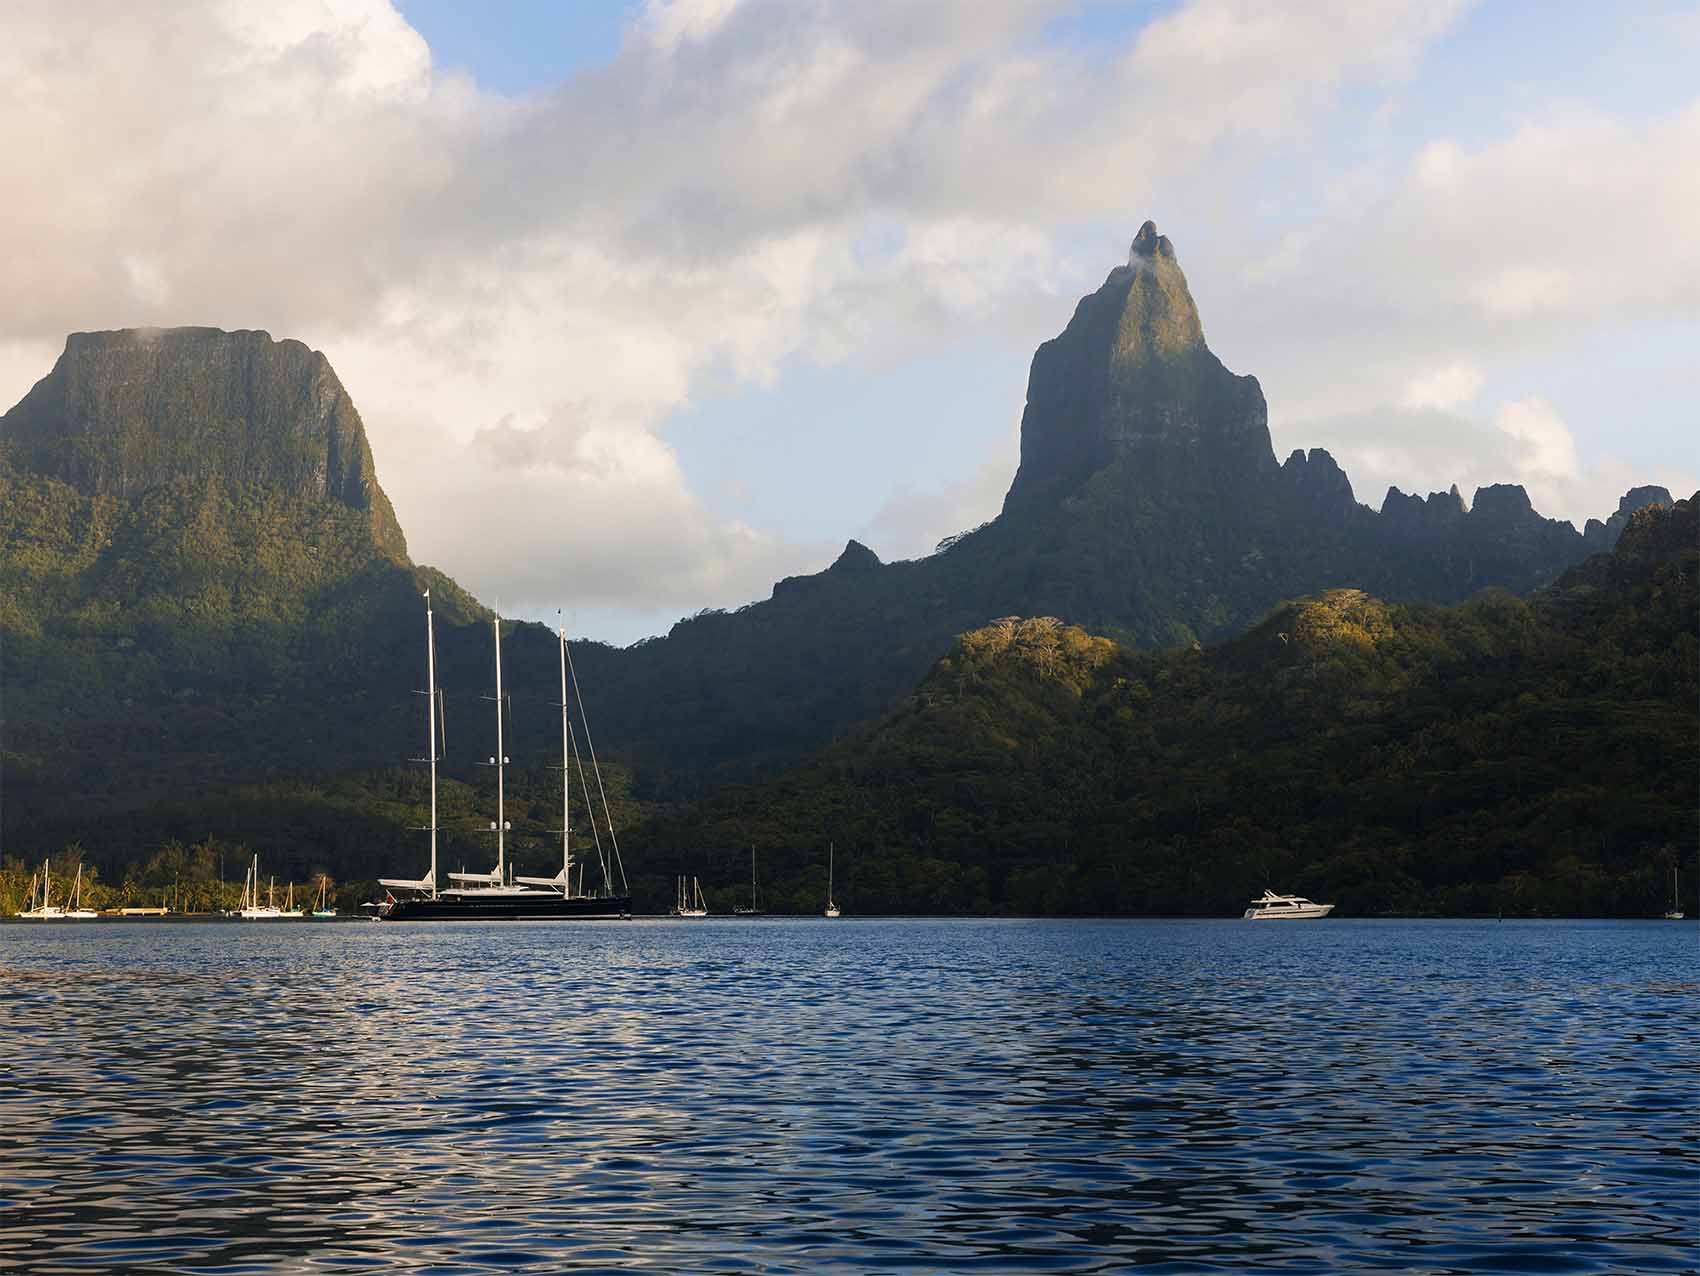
[[647, 304]]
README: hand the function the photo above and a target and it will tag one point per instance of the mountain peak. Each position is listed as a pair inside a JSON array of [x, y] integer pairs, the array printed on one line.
[[132, 409], [1131, 376], [856, 557], [1148, 244]]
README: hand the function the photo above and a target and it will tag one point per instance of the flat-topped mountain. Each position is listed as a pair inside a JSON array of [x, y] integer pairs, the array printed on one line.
[[122, 412]]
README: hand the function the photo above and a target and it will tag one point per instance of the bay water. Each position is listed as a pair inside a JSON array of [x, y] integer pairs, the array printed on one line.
[[801, 1095]]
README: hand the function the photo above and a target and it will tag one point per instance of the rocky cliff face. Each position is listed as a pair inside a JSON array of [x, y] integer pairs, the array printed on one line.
[[1132, 377], [127, 411]]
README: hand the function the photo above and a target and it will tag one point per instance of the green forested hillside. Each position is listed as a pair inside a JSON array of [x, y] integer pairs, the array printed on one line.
[[1531, 756]]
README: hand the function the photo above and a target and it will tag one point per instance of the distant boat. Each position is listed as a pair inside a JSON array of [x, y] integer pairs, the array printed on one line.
[[500, 895], [1272, 907], [321, 910], [1674, 913], [251, 909], [77, 912], [831, 909], [688, 900], [754, 908], [46, 910]]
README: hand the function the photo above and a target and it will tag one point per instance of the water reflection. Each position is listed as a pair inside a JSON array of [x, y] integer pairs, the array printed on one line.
[[793, 1097]]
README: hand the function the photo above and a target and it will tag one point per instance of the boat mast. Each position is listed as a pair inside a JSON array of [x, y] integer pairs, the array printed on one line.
[[566, 777], [501, 762], [431, 732]]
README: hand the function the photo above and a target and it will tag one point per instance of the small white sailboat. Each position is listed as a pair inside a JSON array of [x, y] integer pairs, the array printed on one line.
[[1674, 913], [1272, 907], [77, 912], [689, 900], [251, 909], [831, 909], [46, 910]]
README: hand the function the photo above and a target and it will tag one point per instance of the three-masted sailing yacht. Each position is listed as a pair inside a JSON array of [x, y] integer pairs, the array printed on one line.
[[500, 895]]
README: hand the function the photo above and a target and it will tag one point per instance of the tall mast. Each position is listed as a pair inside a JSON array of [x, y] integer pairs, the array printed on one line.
[[566, 777], [501, 762], [431, 731]]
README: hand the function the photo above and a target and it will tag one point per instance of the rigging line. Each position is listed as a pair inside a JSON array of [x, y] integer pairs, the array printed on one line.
[[613, 837], [584, 784]]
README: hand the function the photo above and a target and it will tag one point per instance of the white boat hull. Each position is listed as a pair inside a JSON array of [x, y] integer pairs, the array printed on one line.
[[1302, 913]]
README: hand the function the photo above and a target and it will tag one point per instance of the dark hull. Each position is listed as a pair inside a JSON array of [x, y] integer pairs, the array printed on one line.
[[545, 908]]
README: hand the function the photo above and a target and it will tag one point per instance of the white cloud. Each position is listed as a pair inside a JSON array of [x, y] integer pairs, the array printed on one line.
[[520, 291], [1548, 451], [1521, 441], [1447, 388]]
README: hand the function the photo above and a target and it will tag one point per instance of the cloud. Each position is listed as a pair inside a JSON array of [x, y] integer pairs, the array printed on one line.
[[1524, 441], [519, 291], [1453, 386], [1548, 450]]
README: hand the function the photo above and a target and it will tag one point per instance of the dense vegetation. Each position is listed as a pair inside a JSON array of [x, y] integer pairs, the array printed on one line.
[[1532, 756]]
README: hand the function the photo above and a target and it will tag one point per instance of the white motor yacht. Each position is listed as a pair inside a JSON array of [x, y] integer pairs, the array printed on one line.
[[1272, 907]]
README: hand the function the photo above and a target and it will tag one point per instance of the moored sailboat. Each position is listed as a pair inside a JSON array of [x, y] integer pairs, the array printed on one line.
[[1674, 913], [688, 900], [831, 909], [78, 913], [500, 895], [251, 909], [46, 910]]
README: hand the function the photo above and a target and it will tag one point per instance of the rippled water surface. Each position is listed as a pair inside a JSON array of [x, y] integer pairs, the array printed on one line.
[[798, 1096]]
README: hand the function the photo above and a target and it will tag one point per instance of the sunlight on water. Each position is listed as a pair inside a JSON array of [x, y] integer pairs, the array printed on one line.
[[799, 1096]]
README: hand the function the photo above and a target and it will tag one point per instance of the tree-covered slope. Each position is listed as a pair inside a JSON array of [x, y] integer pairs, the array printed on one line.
[[1534, 755]]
